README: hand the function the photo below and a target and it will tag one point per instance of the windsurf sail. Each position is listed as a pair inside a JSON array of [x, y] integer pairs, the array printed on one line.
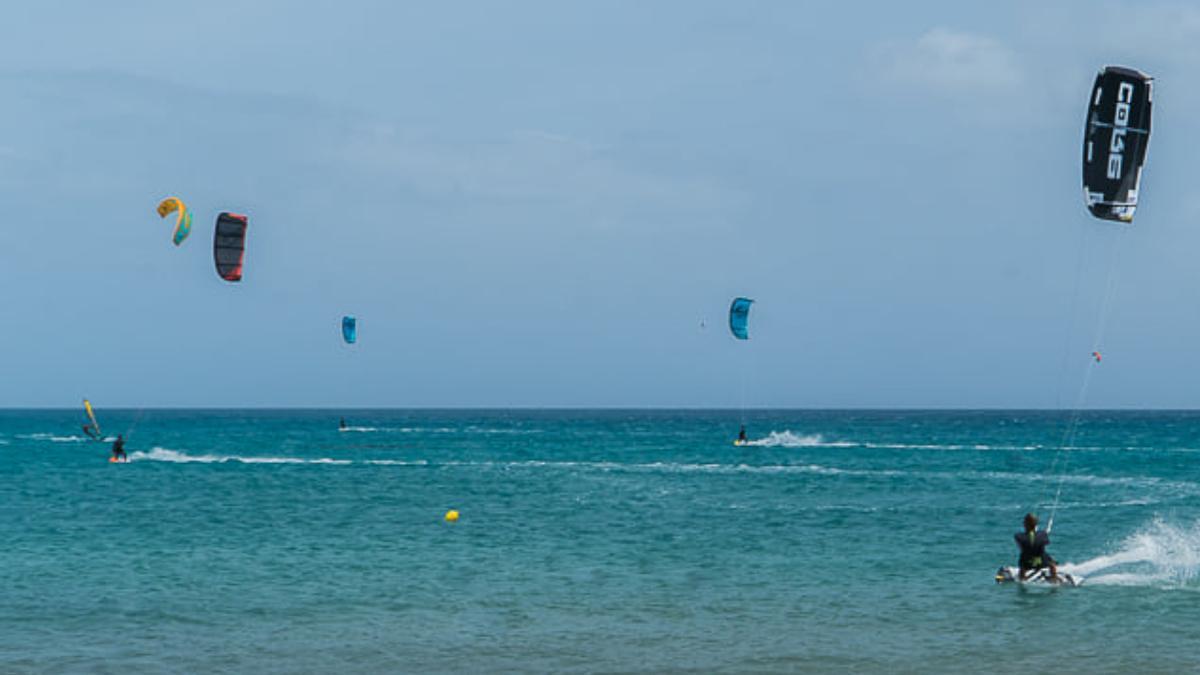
[[94, 427], [739, 317], [229, 245], [183, 217], [349, 329], [1115, 141]]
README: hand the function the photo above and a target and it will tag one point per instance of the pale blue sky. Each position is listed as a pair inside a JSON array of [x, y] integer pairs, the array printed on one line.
[[536, 203]]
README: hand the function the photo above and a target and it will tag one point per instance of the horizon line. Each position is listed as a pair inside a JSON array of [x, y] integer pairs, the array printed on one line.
[[611, 408]]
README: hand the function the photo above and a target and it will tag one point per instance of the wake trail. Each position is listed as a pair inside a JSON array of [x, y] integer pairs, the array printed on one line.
[[177, 457], [787, 439], [1160, 555]]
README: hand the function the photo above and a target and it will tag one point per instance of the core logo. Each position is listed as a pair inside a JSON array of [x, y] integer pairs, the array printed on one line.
[[1116, 146]]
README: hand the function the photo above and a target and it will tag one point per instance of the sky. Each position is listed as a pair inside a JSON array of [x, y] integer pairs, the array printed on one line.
[[552, 204]]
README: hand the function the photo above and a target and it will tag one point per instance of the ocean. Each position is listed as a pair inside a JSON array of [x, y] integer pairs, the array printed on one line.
[[594, 541]]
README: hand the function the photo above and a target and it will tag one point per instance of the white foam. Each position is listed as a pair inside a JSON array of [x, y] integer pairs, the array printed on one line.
[[790, 439], [687, 467], [494, 430], [441, 430], [54, 438], [951, 446], [787, 439], [1160, 555], [398, 430], [167, 455]]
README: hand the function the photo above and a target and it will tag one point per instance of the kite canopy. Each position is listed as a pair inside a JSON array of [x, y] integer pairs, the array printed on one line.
[[739, 316], [229, 245], [183, 218], [1115, 142], [349, 329]]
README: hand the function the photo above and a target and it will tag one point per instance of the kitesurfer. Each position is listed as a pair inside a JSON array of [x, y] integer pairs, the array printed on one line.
[[1033, 550], [742, 435], [342, 424], [118, 449]]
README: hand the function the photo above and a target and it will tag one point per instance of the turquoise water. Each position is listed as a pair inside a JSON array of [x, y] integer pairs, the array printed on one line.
[[267, 541]]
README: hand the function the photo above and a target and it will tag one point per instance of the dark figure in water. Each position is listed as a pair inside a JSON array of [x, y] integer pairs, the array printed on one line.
[[118, 449], [1033, 550], [91, 432], [742, 434], [342, 423]]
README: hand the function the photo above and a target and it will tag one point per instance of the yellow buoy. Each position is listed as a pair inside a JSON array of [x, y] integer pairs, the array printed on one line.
[[451, 516]]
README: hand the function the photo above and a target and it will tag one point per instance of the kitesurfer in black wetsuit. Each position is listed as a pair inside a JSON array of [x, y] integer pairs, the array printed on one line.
[[1033, 550], [118, 449], [342, 423], [742, 434]]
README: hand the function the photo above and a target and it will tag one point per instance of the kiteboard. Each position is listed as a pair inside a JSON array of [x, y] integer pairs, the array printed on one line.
[[114, 460], [1011, 575]]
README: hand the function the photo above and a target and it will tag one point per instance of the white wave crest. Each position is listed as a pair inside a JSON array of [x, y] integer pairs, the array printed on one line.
[[682, 467], [500, 430], [1160, 555], [439, 430], [53, 438], [166, 455], [789, 439], [938, 446]]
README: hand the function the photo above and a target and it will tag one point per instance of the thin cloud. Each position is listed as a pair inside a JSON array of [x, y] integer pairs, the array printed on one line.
[[594, 182], [953, 62]]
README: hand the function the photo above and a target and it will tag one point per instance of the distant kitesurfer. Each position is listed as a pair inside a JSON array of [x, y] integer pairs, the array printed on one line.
[[742, 434], [1033, 550], [118, 450], [342, 424]]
